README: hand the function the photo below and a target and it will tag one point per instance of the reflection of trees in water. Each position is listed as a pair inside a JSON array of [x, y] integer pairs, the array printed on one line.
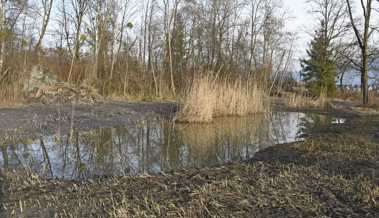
[[12, 155], [46, 159], [313, 122], [283, 127], [149, 146], [4, 152], [225, 140]]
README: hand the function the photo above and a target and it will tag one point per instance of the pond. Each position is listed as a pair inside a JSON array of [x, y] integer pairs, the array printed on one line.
[[154, 145]]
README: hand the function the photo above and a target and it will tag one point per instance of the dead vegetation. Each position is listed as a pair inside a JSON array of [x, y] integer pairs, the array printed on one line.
[[65, 93], [295, 100], [209, 97]]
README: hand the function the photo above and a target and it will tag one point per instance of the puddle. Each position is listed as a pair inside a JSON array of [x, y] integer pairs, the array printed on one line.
[[153, 145], [338, 121]]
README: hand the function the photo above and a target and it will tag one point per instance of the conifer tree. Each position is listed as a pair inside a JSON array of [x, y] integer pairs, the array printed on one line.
[[319, 70]]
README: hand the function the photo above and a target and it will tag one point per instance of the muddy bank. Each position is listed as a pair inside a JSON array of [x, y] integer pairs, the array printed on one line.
[[287, 187], [29, 120], [336, 107], [48, 119], [334, 173]]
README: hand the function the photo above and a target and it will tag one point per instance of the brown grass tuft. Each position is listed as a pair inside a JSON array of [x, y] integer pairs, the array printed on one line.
[[210, 97], [295, 100]]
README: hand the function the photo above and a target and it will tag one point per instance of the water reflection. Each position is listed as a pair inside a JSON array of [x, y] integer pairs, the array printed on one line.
[[152, 145]]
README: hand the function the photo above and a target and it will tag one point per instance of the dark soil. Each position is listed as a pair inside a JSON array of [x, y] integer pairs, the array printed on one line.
[[29, 120], [334, 173]]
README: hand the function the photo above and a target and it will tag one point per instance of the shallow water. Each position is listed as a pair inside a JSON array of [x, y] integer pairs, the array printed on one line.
[[153, 145]]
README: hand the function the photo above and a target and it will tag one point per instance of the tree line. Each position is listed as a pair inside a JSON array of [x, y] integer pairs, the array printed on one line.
[[155, 47]]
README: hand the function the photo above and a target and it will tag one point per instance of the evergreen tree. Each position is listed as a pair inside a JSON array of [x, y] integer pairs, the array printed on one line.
[[319, 70]]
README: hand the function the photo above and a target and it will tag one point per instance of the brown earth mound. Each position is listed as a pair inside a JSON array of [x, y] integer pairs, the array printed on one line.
[[43, 87]]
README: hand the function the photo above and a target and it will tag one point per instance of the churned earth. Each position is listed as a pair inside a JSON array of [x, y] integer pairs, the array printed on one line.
[[32, 119]]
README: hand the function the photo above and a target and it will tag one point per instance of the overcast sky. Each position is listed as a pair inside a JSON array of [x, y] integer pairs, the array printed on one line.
[[300, 22]]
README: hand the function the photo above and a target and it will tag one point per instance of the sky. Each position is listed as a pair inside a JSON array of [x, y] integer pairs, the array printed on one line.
[[299, 22], [302, 22]]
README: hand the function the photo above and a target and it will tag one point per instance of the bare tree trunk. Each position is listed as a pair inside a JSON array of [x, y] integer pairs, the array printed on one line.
[[47, 6], [98, 39], [150, 37], [82, 6], [253, 38], [363, 40], [145, 36], [364, 75], [171, 67], [171, 23], [2, 28]]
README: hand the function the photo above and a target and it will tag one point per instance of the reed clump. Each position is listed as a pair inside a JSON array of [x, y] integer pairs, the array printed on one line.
[[10, 95], [209, 97], [295, 100]]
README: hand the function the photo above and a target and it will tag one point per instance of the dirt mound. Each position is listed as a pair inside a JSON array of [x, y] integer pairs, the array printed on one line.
[[44, 87], [64, 93]]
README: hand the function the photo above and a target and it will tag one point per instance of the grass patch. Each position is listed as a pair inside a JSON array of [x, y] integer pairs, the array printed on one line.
[[209, 97]]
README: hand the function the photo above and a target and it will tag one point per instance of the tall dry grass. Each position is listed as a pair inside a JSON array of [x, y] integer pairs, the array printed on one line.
[[10, 89], [295, 100], [209, 97]]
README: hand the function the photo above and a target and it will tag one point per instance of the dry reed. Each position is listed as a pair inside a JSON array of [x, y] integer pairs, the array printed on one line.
[[11, 95], [295, 100], [209, 97]]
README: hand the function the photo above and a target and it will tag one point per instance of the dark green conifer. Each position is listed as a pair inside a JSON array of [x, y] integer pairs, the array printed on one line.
[[319, 70]]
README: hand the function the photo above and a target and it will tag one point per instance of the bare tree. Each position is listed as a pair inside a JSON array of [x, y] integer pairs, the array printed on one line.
[[9, 14], [363, 37], [2, 29], [332, 17], [80, 7], [170, 13], [47, 5], [95, 41], [256, 26]]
